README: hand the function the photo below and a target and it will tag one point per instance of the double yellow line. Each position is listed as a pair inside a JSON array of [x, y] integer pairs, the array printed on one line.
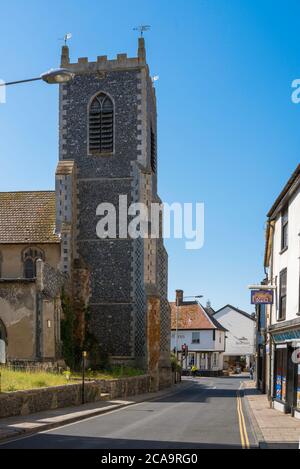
[[242, 424]]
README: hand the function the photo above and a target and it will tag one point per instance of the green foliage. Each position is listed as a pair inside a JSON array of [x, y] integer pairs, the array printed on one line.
[[112, 373], [12, 380], [67, 374], [175, 365], [67, 331], [72, 345], [40, 384]]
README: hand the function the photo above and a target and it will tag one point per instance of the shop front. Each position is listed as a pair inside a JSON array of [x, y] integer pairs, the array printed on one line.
[[286, 373]]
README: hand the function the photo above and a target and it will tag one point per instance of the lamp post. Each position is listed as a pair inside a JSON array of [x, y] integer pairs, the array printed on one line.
[[84, 355], [52, 77], [177, 314]]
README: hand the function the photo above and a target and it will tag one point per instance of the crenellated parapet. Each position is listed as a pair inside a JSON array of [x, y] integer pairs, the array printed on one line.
[[122, 61]]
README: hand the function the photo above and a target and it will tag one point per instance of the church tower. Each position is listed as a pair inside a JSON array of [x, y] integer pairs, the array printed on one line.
[[108, 135]]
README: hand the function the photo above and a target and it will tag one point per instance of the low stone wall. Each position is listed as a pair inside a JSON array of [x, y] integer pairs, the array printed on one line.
[[125, 387], [37, 400]]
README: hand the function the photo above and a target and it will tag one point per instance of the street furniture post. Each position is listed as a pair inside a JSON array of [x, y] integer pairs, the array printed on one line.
[[84, 354]]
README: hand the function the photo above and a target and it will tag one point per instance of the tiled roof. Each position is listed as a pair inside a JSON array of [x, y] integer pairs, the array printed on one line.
[[27, 217], [191, 315]]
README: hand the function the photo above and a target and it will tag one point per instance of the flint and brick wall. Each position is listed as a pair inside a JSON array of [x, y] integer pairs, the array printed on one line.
[[38, 400]]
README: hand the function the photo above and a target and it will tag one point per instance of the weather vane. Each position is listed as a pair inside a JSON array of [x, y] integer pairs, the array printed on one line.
[[142, 28], [66, 38]]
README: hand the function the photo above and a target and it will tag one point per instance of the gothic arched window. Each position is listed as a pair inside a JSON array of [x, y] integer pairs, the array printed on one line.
[[3, 335], [101, 125], [30, 256]]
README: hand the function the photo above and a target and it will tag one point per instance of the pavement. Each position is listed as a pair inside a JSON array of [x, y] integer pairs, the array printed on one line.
[[274, 429], [13, 427], [199, 413]]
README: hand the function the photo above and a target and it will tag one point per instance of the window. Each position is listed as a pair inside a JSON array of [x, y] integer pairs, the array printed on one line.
[[153, 151], [282, 294], [29, 268], [284, 228], [30, 256], [215, 359], [299, 299], [195, 337], [214, 334], [3, 335], [191, 359], [280, 373], [101, 121]]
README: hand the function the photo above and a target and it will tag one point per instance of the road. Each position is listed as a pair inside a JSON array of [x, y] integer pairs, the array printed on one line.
[[206, 413]]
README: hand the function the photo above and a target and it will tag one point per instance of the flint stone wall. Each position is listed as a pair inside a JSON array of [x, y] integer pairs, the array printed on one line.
[[125, 387], [38, 400]]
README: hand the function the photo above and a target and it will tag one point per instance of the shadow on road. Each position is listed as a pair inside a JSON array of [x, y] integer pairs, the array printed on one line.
[[57, 441]]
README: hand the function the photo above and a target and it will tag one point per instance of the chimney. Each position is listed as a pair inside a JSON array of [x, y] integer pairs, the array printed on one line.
[[179, 297]]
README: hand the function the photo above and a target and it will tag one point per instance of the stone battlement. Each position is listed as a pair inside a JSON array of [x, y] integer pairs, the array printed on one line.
[[103, 63]]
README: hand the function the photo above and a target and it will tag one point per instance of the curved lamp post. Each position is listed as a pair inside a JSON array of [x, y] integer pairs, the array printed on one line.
[[52, 77]]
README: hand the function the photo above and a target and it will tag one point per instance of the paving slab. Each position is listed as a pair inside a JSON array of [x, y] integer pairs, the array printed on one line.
[[275, 428]]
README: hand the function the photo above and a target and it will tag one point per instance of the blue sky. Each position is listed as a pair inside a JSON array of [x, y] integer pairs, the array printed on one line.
[[228, 131]]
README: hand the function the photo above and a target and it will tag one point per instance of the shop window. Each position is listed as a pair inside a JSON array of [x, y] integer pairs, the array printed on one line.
[[298, 389], [280, 374]]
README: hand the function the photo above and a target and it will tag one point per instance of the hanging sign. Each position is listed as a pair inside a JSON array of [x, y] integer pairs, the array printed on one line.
[[262, 297]]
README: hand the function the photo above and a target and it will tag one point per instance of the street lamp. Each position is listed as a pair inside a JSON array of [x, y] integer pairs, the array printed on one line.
[[53, 76]]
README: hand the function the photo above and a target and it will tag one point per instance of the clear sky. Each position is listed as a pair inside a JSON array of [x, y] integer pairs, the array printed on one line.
[[228, 131]]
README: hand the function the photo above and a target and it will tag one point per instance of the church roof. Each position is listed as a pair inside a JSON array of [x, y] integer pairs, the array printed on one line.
[[27, 217], [192, 316]]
